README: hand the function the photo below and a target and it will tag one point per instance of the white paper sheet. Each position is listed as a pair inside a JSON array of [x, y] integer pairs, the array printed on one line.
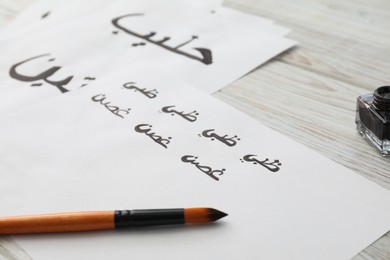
[[46, 13], [79, 152], [96, 45]]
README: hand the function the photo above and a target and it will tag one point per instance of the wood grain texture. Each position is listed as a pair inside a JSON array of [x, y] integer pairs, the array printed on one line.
[[308, 93]]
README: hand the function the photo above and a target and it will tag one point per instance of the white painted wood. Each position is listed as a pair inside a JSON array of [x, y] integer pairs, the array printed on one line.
[[338, 38], [308, 93]]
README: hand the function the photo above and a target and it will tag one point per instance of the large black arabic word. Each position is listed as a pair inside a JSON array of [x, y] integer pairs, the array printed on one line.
[[147, 130], [205, 53], [229, 141], [205, 169], [101, 99], [272, 166], [192, 116], [149, 93], [42, 76]]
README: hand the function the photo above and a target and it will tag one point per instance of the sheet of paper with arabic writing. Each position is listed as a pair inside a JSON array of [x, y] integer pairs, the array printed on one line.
[[204, 49], [143, 139]]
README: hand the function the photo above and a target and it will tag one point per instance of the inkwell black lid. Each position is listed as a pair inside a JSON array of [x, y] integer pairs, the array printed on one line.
[[382, 98]]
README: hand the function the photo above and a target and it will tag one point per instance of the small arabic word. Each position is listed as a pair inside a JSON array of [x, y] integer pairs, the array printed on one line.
[[149, 93], [272, 166], [229, 141], [205, 169], [147, 130], [100, 98], [192, 116], [205, 53]]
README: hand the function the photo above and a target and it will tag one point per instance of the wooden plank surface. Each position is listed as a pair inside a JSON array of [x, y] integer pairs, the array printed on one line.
[[308, 93]]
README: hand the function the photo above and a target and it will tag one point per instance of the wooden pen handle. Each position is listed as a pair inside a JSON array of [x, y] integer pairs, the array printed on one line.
[[62, 222]]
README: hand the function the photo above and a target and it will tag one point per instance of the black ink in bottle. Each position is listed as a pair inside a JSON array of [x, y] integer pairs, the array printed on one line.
[[373, 119]]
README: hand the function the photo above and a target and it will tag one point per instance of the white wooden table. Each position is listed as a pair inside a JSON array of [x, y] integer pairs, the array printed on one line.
[[308, 93]]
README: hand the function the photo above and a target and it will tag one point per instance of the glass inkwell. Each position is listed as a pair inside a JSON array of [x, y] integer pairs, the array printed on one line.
[[373, 119]]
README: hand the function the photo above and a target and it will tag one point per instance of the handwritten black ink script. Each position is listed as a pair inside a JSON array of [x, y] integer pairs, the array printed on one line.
[[225, 139], [102, 100], [148, 93], [44, 76], [273, 166], [191, 117], [206, 54], [147, 130], [43, 16], [203, 168]]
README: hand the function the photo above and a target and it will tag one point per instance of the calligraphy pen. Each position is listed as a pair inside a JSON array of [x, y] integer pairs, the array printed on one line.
[[98, 220]]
